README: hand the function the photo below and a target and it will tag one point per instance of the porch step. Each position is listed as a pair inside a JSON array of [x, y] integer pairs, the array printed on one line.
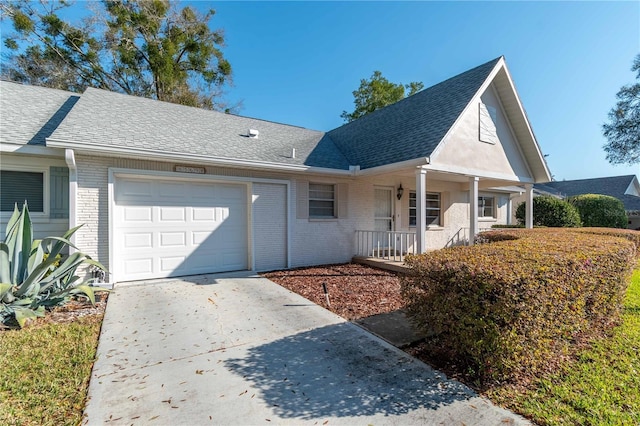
[[385, 264]]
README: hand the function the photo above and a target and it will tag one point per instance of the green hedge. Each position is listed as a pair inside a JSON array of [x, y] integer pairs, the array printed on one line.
[[600, 210], [506, 308], [550, 211]]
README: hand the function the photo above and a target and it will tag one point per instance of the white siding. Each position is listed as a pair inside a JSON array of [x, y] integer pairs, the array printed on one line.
[[269, 215]]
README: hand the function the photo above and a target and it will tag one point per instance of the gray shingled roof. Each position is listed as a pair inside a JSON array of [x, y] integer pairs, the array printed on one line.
[[31, 113], [108, 119], [613, 186], [413, 127], [407, 130]]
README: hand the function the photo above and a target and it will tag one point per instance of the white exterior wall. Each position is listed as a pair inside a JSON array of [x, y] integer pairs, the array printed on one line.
[[313, 241], [323, 241], [463, 151]]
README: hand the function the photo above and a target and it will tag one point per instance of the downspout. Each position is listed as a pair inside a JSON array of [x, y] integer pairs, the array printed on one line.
[[73, 192]]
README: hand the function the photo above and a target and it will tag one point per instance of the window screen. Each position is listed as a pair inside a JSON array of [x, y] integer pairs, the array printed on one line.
[[321, 200], [16, 187]]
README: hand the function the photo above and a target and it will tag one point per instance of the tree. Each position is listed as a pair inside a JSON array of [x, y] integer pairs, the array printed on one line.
[[152, 49], [377, 93], [623, 129]]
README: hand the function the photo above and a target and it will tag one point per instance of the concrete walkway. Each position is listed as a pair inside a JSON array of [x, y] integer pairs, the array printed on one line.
[[237, 349]]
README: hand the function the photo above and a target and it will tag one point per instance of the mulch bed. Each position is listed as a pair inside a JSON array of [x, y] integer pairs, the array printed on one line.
[[72, 311], [355, 291]]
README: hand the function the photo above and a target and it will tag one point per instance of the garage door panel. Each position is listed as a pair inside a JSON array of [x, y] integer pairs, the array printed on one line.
[[138, 214], [133, 190], [138, 267], [172, 191], [202, 214], [172, 214], [169, 264], [172, 239], [138, 240], [178, 228]]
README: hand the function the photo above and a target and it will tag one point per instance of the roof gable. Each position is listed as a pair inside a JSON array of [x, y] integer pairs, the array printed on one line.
[[413, 127]]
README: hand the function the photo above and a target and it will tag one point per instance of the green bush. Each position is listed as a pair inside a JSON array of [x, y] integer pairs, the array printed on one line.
[[505, 309], [550, 211], [600, 210]]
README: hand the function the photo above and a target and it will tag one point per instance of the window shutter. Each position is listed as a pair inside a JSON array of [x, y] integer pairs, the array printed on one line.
[[59, 192], [343, 200], [302, 196], [444, 207]]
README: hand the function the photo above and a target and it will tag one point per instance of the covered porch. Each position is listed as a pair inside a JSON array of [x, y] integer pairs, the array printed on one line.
[[420, 209]]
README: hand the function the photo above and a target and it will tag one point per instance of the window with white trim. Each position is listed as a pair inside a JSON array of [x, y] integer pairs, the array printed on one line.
[[432, 212], [322, 200], [487, 207], [20, 186]]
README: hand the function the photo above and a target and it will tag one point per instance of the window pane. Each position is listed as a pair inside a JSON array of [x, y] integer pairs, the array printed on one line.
[[16, 187], [432, 210], [321, 200]]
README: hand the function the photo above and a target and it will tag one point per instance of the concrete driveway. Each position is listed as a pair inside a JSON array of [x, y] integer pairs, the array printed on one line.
[[238, 349]]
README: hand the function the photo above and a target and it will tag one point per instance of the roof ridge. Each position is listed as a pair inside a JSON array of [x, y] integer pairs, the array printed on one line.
[[421, 92], [35, 86], [595, 178], [200, 109]]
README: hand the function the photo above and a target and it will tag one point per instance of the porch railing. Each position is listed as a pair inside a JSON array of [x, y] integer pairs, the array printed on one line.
[[388, 245]]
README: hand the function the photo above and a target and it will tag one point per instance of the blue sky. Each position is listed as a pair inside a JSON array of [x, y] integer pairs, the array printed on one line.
[[298, 62]]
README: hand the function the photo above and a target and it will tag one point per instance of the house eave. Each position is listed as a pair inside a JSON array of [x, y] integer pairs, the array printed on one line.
[[43, 151], [147, 154], [394, 167]]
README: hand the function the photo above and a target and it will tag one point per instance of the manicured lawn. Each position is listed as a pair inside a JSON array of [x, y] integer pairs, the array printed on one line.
[[44, 372], [602, 387]]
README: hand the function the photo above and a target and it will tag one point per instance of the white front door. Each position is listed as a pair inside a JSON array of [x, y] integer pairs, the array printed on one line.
[[383, 206], [164, 228]]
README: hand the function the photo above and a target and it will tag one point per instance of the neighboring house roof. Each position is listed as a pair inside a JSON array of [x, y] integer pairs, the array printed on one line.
[[620, 187], [31, 113], [413, 127]]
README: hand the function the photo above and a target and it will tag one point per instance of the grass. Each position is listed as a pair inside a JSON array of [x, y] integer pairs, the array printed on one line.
[[601, 387], [45, 370]]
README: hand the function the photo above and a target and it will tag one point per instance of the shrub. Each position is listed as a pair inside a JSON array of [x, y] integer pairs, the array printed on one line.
[[550, 211], [33, 275], [506, 308], [600, 210], [501, 226]]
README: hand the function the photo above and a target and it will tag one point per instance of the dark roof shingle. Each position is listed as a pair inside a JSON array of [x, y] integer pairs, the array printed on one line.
[[614, 186], [413, 127]]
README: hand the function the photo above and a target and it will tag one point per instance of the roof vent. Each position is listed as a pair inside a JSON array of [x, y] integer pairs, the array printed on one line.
[[253, 133]]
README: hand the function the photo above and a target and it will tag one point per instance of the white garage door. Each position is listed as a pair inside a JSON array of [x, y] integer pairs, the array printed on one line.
[[166, 228]]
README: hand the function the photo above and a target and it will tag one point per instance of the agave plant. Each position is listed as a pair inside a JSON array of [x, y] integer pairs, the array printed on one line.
[[32, 274]]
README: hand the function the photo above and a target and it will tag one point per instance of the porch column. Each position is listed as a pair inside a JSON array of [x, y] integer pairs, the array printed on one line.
[[421, 210], [473, 209], [529, 206]]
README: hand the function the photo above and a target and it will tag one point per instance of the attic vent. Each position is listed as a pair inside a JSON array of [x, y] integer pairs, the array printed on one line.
[[253, 133]]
